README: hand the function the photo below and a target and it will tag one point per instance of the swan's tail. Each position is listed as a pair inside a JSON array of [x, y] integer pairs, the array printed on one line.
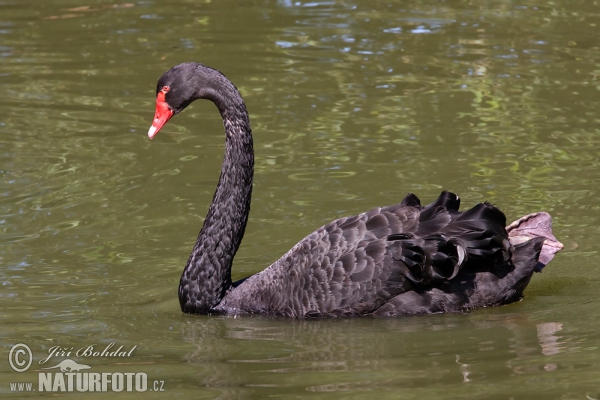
[[533, 247], [472, 288], [499, 286], [532, 226], [445, 239], [459, 261]]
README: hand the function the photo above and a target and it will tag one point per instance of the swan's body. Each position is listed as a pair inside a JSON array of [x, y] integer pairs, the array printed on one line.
[[403, 259]]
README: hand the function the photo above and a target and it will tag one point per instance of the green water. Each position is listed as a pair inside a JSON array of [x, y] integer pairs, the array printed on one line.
[[353, 104]]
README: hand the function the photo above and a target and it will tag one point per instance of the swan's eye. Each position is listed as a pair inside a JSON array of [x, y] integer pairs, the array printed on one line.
[[165, 89]]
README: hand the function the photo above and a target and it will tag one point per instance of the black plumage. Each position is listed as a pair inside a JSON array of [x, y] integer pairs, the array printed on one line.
[[403, 259]]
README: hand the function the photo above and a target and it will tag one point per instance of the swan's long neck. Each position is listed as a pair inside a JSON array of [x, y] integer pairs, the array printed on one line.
[[207, 275]]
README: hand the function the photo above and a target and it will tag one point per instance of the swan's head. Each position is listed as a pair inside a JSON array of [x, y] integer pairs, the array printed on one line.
[[183, 84], [174, 92]]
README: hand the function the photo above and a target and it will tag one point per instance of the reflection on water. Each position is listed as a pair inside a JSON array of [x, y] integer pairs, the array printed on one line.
[[547, 337], [353, 104], [372, 355]]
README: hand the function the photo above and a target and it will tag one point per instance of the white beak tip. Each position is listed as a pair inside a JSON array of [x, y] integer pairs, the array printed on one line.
[[152, 132]]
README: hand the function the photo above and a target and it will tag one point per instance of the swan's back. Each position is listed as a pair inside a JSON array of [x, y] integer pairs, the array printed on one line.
[[365, 263]]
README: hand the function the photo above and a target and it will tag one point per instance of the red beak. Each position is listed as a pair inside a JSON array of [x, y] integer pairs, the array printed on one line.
[[161, 116]]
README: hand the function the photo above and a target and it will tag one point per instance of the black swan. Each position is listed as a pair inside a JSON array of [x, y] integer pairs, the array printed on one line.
[[403, 259]]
